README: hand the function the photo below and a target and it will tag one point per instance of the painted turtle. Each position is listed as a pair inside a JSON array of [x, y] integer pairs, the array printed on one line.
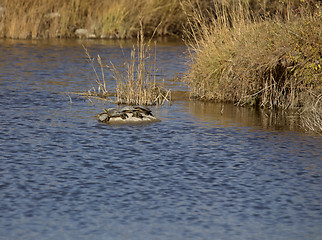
[[103, 117], [128, 109], [143, 110], [111, 113], [134, 111]]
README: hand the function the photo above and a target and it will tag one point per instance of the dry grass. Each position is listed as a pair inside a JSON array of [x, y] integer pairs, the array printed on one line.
[[242, 58], [135, 80], [109, 18], [101, 90], [311, 115], [102, 19], [136, 84], [250, 59]]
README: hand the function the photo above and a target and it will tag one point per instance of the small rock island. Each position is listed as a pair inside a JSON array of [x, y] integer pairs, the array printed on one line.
[[128, 114]]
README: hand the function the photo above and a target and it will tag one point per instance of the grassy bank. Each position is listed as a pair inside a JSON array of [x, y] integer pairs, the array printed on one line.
[[101, 19], [37, 19], [267, 60]]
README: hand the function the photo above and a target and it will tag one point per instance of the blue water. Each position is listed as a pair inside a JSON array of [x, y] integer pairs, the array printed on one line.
[[197, 174]]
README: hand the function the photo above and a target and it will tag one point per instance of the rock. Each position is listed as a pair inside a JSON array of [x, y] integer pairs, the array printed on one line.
[[128, 118], [92, 35], [52, 15], [107, 36], [133, 120], [81, 32]]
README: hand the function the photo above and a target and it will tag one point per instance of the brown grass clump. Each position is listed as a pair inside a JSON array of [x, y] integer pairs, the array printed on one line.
[[241, 58], [265, 59], [111, 18], [136, 85], [135, 82]]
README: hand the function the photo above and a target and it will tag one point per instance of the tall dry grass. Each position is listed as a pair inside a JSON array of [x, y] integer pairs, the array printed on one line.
[[109, 18], [102, 19], [101, 89], [251, 59], [136, 83]]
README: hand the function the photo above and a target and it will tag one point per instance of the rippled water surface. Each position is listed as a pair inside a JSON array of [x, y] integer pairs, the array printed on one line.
[[197, 174]]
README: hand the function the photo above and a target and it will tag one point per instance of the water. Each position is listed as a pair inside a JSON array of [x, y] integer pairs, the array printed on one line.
[[197, 174]]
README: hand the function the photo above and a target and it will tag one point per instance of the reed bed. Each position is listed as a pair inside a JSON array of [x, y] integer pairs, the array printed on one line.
[[136, 84], [135, 80], [36, 19], [270, 61]]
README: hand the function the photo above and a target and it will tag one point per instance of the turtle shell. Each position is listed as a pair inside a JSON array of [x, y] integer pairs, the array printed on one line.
[[114, 113], [143, 110], [128, 109]]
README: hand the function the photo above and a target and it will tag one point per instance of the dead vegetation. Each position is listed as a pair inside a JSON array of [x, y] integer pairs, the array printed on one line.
[[38, 19], [268, 61], [135, 80]]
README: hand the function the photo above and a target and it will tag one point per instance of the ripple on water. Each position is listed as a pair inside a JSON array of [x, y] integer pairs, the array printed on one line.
[[195, 175]]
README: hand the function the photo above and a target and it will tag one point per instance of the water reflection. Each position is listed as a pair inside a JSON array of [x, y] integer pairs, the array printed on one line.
[[228, 114]]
